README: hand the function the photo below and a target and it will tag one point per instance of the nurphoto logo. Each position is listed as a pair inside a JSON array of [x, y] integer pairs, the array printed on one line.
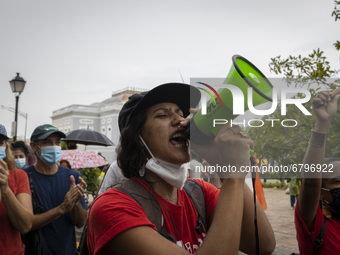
[[222, 102], [238, 100]]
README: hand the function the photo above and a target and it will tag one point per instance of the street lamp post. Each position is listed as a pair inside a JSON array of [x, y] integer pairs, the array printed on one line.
[[17, 85], [22, 114]]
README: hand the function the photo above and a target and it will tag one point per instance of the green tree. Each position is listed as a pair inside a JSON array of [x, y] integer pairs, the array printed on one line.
[[286, 146], [63, 145], [336, 14], [301, 71], [91, 177]]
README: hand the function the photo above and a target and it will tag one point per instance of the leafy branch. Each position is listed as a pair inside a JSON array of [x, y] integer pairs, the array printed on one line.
[[336, 11], [301, 71]]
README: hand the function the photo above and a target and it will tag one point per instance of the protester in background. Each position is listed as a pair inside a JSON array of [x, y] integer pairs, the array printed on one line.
[[65, 163], [154, 153], [31, 159], [71, 145], [294, 189], [16, 214], [103, 168], [20, 152], [319, 189], [113, 176], [60, 191]]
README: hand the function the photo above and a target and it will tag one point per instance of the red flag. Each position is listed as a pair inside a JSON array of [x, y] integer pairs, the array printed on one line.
[[258, 187]]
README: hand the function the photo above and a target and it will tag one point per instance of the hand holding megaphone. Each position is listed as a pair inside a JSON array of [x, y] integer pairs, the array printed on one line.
[[228, 152]]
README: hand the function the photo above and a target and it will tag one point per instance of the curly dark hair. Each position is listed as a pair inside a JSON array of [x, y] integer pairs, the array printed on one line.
[[132, 155], [20, 145]]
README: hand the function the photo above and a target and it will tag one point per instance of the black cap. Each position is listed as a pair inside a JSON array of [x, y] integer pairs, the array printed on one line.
[[43, 131], [183, 95]]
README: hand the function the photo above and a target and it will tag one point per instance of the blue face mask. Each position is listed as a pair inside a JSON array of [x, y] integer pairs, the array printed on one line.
[[50, 155], [20, 163], [2, 152]]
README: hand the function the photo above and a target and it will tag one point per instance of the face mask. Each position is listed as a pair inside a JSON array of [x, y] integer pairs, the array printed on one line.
[[335, 205], [175, 175], [20, 162], [2, 152], [50, 155]]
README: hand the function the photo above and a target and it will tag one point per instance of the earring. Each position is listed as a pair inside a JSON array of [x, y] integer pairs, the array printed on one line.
[[142, 171]]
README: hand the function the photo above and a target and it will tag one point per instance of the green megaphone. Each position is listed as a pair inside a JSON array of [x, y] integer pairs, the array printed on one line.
[[242, 75]]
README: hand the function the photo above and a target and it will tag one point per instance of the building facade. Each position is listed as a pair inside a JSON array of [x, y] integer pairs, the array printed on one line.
[[101, 117]]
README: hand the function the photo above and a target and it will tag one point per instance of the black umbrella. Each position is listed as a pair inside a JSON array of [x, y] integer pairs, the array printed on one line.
[[88, 137]]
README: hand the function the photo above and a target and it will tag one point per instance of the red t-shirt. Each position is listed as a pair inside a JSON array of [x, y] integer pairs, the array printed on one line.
[[114, 212], [305, 238], [10, 239]]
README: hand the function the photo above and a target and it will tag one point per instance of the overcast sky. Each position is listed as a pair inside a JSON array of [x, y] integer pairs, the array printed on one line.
[[79, 52]]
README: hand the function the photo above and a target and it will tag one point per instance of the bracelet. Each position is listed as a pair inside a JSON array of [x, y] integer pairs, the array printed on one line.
[[318, 139]]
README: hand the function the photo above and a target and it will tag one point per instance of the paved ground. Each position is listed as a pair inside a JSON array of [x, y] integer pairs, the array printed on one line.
[[281, 218]]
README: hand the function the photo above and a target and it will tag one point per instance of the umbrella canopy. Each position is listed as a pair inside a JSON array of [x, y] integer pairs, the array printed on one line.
[[88, 137], [83, 159]]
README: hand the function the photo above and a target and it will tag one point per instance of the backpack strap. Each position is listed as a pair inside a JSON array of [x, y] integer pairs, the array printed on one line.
[[34, 195], [195, 192], [154, 213], [147, 201], [37, 207], [144, 198], [318, 241]]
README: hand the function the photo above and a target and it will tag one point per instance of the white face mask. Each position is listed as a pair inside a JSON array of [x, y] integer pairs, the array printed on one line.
[[174, 174]]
